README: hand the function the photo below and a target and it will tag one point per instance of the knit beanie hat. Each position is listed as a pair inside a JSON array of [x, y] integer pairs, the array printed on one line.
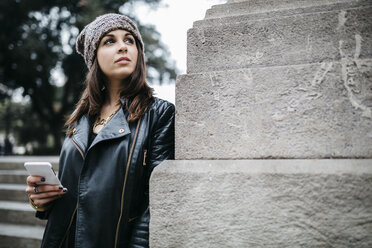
[[88, 40]]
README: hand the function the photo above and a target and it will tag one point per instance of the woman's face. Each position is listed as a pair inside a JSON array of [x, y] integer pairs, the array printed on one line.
[[117, 54]]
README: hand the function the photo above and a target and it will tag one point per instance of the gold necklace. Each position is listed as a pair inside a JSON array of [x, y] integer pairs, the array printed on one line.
[[103, 121]]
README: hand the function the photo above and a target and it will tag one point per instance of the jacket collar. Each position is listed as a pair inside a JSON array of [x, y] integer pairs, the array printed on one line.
[[115, 128]]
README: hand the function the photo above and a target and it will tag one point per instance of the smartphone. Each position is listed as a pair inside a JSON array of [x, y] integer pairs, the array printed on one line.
[[43, 169]]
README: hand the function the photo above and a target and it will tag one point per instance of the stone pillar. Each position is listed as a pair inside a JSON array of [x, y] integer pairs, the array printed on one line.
[[273, 129]]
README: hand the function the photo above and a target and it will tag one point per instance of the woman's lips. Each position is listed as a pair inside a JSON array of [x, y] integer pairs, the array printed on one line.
[[122, 60]]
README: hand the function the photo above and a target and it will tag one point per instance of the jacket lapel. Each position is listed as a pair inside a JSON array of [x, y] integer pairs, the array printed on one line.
[[117, 127], [81, 133]]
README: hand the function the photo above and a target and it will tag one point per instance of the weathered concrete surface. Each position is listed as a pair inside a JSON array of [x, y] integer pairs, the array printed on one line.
[[18, 225], [280, 40], [20, 213], [271, 79], [261, 203], [244, 7], [13, 192], [317, 110], [250, 12], [20, 236], [286, 79]]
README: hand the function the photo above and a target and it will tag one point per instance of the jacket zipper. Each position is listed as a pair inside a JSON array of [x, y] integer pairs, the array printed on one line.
[[124, 184], [144, 157], [78, 148], [132, 219], [73, 214]]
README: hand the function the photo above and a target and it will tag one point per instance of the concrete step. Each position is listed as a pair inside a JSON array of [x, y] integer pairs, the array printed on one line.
[[259, 6], [24, 236], [299, 39], [275, 13], [19, 213], [310, 109], [13, 192], [261, 203], [17, 162], [13, 176]]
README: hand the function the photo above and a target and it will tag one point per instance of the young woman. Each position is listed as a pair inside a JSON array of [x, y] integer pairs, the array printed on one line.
[[116, 136]]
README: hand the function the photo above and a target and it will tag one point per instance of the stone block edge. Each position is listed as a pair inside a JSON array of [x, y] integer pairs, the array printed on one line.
[[267, 166], [261, 67]]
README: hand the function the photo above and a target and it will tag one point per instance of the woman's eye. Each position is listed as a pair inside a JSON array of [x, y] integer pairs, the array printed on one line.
[[108, 41], [129, 40]]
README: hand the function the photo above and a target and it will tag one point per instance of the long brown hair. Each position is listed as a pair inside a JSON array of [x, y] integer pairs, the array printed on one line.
[[135, 89]]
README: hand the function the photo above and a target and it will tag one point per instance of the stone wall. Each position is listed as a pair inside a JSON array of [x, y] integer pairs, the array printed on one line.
[[288, 82], [273, 129], [262, 203]]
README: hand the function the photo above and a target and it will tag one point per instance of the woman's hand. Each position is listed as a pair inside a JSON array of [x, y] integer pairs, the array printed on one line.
[[43, 194]]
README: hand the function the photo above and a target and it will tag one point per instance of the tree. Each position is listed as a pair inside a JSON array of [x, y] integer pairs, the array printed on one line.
[[37, 39]]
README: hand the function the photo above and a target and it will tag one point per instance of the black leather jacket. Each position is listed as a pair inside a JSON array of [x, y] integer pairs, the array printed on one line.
[[107, 199]]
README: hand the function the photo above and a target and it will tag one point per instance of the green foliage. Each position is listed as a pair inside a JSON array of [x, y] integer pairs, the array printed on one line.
[[37, 37], [26, 127]]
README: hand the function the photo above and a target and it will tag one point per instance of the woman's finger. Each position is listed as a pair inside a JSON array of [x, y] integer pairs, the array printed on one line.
[[44, 188], [30, 190], [32, 180], [48, 188], [45, 195], [43, 201]]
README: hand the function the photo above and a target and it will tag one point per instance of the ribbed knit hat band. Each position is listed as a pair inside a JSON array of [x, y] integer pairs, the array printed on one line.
[[89, 38]]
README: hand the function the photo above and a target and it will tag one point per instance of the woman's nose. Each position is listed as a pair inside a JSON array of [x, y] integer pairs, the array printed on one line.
[[122, 47]]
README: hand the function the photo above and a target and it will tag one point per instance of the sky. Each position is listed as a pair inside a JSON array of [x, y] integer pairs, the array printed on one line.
[[172, 20]]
